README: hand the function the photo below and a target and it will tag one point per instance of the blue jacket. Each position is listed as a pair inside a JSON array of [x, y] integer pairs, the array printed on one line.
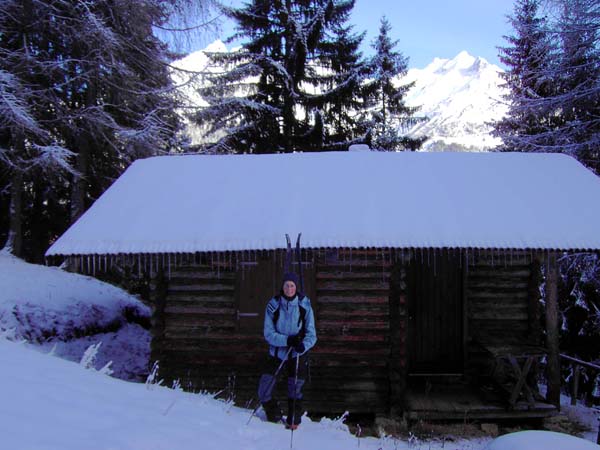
[[288, 324]]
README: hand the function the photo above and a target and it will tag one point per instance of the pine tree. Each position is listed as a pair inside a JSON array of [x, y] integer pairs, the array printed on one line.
[[290, 78], [389, 112], [342, 108], [530, 121], [578, 78], [554, 81]]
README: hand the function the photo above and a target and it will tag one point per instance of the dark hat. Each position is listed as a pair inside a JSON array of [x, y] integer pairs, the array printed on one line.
[[290, 276]]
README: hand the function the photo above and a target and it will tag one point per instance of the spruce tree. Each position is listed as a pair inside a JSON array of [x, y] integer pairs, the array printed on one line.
[[292, 84], [531, 119], [578, 79], [343, 106], [389, 112], [554, 81]]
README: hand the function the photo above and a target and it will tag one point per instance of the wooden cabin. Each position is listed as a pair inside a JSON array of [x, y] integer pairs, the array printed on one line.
[[423, 271]]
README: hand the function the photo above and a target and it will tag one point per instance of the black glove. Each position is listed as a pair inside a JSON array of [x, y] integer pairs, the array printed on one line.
[[293, 341], [296, 343]]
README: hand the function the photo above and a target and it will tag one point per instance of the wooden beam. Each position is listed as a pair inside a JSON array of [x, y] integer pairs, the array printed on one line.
[[552, 330]]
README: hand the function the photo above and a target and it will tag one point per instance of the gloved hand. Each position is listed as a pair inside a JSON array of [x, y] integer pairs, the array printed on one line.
[[295, 342]]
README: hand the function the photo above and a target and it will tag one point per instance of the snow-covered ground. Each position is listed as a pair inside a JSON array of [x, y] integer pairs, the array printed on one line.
[[49, 403]]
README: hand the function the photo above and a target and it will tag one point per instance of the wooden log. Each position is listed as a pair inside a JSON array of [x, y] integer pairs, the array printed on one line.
[[501, 325], [552, 331], [344, 325], [492, 303], [185, 297], [499, 312], [198, 309], [345, 310], [340, 276], [494, 284], [354, 265], [178, 276], [360, 285], [481, 294], [200, 288], [479, 273], [364, 300]]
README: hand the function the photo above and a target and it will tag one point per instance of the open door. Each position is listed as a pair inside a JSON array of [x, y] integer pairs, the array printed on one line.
[[435, 310]]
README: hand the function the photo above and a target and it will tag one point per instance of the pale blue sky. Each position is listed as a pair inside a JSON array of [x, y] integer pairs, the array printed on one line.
[[429, 28]]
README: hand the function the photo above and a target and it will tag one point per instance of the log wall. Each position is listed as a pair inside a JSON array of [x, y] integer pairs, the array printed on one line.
[[350, 364], [502, 304], [502, 298], [360, 302], [198, 339]]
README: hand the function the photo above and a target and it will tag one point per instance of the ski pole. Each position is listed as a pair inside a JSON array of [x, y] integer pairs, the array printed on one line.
[[272, 382], [294, 401]]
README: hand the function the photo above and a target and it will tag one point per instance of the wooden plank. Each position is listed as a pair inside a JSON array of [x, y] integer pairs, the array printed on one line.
[[201, 321], [352, 298], [354, 265], [185, 297], [350, 324], [360, 285], [498, 312], [328, 333], [179, 276], [198, 309], [379, 338], [201, 303], [482, 273], [500, 325], [335, 351], [345, 275], [343, 310], [493, 284], [199, 288]]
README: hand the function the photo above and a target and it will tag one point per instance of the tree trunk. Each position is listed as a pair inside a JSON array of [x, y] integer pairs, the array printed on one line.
[[553, 367], [14, 241], [79, 188]]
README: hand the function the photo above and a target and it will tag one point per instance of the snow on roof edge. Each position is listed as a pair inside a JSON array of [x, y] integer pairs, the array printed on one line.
[[240, 250]]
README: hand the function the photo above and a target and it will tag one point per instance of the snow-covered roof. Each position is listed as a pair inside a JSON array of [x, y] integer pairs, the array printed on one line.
[[196, 203]]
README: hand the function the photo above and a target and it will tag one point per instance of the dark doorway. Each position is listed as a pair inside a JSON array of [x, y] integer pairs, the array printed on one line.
[[435, 310]]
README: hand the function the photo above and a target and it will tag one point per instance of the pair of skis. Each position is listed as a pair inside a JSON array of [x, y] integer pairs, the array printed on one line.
[[293, 425], [288, 258]]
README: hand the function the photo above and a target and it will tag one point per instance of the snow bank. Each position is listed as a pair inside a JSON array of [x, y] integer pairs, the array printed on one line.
[[51, 308], [536, 440]]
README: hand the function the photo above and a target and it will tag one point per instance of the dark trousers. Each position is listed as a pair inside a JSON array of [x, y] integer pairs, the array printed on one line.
[[267, 382]]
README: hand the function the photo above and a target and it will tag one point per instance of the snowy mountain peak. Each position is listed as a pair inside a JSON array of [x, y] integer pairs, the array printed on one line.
[[216, 46], [459, 97], [463, 60]]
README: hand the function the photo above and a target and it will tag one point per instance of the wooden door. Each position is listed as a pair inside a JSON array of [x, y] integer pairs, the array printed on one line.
[[258, 281], [436, 314]]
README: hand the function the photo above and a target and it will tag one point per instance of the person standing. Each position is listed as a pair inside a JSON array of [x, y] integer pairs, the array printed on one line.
[[289, 329]]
